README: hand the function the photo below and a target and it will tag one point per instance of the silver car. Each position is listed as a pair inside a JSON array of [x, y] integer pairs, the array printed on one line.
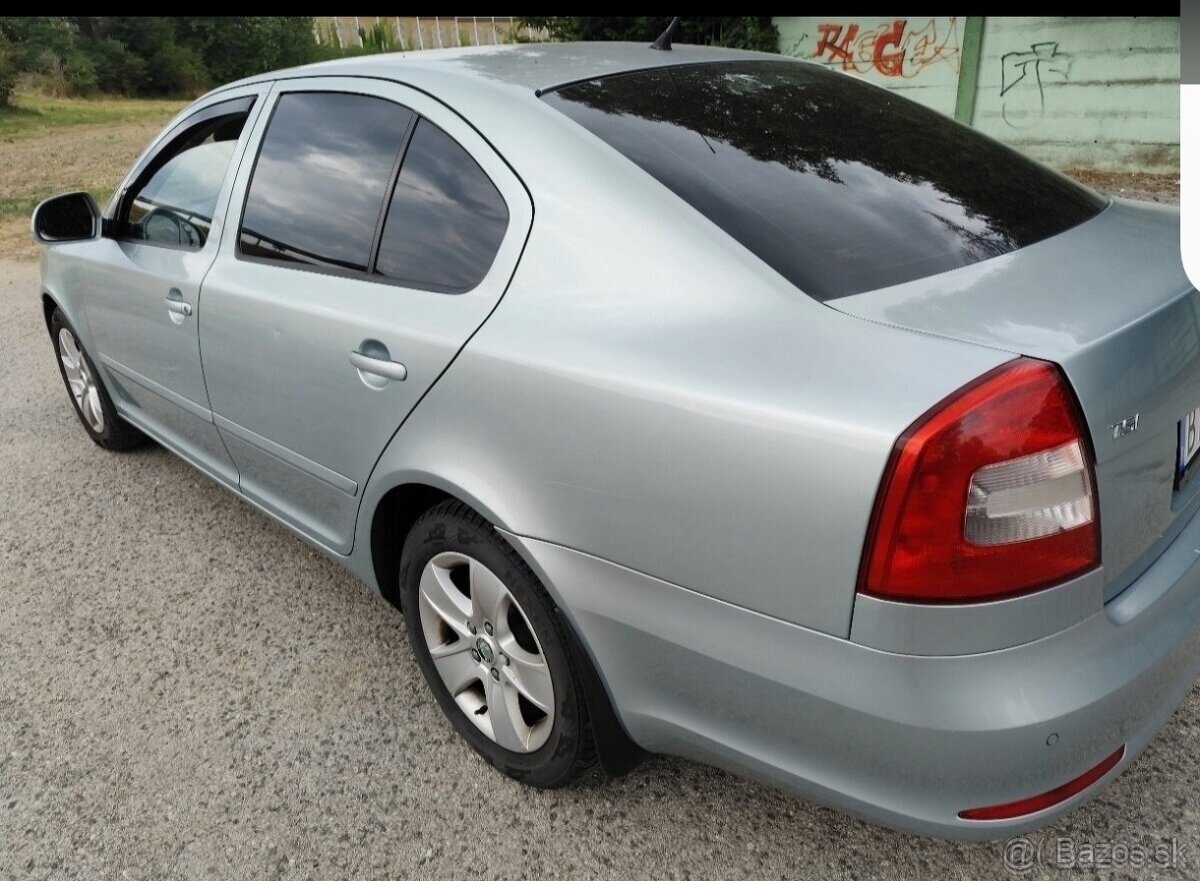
[[694, 401]]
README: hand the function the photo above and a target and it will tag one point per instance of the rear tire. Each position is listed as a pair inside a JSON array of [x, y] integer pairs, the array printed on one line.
[[86, 391], [468, 597]]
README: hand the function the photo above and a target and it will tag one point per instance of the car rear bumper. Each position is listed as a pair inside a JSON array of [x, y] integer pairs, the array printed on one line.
[[904, 740]]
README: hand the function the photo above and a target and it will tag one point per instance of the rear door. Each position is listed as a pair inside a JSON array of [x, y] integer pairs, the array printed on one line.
[[377, 231]]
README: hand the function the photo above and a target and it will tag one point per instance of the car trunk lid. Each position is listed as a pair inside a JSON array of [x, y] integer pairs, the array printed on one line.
[[1108, 300]]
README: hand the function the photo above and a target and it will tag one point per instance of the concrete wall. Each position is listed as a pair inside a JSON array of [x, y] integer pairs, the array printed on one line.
[[1076, 91], [1089, 92], [918, 57]]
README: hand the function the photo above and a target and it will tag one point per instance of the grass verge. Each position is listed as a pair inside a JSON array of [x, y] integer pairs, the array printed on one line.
[[51, 145], [32, 113]]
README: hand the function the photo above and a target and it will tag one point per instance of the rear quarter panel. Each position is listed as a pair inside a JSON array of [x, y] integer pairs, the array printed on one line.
[[650, 393]]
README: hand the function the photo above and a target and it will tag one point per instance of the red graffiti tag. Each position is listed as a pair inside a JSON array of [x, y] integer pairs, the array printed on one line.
[[830, 41], [892, 50], [890, 63]]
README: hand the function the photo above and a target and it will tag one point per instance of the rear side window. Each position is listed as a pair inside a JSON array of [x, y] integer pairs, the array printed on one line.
[[321, 179], [841, 187], [446, 219]]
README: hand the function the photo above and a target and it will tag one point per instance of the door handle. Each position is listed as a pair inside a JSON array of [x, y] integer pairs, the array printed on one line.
[[177, 308], [379, 367]]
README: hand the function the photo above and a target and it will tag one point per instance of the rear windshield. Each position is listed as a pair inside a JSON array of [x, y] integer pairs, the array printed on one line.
[[839, 186]]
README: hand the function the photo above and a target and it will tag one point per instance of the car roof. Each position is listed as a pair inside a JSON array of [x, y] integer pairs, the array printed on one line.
[[537, 66]]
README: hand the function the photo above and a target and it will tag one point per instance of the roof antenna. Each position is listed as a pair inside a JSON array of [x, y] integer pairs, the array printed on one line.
[[664, 39]]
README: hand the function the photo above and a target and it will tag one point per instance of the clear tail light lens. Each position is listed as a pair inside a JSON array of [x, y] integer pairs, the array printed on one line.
[[1029, 497], [989, 494]]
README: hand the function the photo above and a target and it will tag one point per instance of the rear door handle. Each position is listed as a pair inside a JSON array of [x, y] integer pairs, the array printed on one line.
[[379, 367], [177, 306]]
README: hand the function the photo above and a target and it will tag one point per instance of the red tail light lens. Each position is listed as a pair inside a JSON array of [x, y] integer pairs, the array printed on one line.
[[989, 494]]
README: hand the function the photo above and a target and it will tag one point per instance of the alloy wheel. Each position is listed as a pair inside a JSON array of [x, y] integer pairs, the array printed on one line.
[[79, 377], [485, 652]]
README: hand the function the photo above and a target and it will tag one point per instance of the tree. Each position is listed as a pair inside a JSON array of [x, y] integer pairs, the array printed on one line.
[[8, 69], [149, 55], [239, 46], [47, 45]]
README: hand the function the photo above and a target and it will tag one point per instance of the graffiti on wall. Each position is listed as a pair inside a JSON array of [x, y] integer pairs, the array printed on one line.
[[898, 48], [1023, 79]]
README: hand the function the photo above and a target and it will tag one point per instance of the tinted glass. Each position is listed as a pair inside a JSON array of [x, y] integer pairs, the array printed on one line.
[[839, 186], [446, 219], [175, 205], [321, 177]]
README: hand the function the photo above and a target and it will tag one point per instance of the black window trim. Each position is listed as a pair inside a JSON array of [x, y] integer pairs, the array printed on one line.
[[369, 274], [151, 165], [389, 191]]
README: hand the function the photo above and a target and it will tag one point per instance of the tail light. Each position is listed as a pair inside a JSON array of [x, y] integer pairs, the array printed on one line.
[[989, 494]]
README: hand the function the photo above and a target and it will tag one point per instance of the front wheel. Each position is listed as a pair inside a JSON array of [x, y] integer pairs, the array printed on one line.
[[92, 404], [491, 647]]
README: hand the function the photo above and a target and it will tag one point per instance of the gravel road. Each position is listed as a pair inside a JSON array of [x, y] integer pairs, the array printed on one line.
[[187, 691]]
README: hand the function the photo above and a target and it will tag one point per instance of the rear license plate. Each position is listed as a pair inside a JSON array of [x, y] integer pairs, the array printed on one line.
[[1189, 445]]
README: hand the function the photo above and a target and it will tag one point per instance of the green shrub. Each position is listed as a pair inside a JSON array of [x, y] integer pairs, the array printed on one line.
[[60, 76], [377, 38], [79, 72], [177, 70], [117, 69], [8, 69], [34, 36], [158, 55], [241, 46]]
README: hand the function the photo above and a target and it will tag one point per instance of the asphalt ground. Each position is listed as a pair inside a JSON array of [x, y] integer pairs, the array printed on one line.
[[189, 692]]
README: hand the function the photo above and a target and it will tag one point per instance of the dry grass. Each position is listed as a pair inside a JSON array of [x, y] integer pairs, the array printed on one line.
[[31, 111], [1131, 185], [50, 145]]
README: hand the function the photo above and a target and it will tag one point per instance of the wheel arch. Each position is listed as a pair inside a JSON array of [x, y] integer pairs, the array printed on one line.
[[49, 304], [72, 308], [392, 518], [74, 315]]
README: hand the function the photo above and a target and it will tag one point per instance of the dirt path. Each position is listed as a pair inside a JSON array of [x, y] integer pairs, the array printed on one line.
[[1131, 185]]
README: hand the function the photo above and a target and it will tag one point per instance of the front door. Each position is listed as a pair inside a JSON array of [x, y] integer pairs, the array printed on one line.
[[377, 232], [143, 280]]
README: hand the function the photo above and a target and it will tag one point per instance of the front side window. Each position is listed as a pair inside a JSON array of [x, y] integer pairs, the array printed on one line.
[[446, 219], [174, 201], [322, 175]]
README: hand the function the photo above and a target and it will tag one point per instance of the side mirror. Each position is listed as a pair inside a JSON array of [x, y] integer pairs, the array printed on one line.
[[71, 217]]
